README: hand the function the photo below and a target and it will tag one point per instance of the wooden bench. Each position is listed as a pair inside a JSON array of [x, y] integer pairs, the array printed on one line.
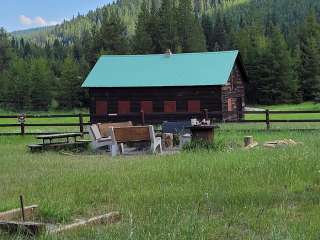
[[121, 135], [100, 133]]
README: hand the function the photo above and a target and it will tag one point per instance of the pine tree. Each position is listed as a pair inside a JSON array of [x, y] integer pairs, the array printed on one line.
[[207, 26], [58, 51], [310, 58], [278, 80], [168, 29], [18, 86], [153, 27], [40, 77], [142, 40], [113, 35], [285, 78], [220, 39], [190, 32], [5, 50], [252, 45], [70, 84]]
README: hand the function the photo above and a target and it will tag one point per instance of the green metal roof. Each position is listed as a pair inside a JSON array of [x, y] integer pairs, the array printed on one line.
[[162, 70]]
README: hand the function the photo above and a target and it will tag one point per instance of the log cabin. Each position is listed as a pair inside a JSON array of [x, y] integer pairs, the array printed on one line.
[[167, 86]]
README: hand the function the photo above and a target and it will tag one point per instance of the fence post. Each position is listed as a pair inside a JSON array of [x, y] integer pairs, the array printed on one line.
[[205, 114], [21, 119], [268, 119], [142, 117], [22, 130], [81, 123]]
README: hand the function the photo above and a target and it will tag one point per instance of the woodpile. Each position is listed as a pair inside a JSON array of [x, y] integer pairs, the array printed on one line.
[[249, 143], [280, 143]]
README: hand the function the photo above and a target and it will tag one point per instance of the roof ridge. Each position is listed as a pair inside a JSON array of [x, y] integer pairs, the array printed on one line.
[[164, 54]]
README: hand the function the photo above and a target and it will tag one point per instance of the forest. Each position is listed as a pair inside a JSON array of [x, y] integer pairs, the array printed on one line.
[[279, 41]]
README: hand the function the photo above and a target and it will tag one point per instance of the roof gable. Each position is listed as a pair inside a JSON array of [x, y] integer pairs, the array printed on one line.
[[162, 70]]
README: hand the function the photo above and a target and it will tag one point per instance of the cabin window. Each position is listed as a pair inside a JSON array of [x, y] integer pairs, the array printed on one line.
[[230, 108], [193, 106], [101, 107], [170, 106], [146, 106], [123, 106]]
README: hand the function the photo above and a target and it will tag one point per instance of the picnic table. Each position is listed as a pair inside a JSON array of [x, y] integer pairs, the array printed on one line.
[[49, 141], [65, 136]]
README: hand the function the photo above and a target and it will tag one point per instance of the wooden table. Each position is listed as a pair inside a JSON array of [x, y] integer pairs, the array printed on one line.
[[202, 132]]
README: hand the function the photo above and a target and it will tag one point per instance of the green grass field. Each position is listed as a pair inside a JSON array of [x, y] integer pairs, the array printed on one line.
[[230, 193], [307, 106], [227, 194]]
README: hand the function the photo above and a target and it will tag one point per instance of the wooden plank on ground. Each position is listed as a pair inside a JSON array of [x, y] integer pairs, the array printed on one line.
[[15, 214], [26, 228], [108, 218]]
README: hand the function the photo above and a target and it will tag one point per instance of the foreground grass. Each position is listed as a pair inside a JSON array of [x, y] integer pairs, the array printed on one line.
[[229, 194]]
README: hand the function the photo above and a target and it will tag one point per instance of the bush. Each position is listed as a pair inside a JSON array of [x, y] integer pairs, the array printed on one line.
[[216, 145]]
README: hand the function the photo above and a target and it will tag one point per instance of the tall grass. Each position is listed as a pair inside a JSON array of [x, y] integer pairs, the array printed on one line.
[[235, 194]]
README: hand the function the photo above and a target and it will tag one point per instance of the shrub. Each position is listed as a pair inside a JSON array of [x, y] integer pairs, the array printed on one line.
[[216, 145]]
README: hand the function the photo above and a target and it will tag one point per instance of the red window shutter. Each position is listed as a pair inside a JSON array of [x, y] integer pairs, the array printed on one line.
[[146, 106], [170, 106], [101, 107], [123, 106], [230, 105], [193, 106]]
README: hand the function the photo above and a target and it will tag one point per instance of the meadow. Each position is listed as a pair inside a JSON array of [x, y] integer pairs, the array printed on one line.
[[230, 193], [223, 193]]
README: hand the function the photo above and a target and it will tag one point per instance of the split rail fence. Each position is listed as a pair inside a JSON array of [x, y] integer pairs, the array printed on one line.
[[140, 118]]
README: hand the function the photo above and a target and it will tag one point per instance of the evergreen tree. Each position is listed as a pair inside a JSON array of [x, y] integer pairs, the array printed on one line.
[[278, 80], [58, 51], [142, 40], [168, 29], [207, 26], [70, 85], [5, 50], [113, 35], [252, 45], [40, 78], [220, 39], [153, 27], [310, 58], [285, 78], [18, 86], [190, 32]]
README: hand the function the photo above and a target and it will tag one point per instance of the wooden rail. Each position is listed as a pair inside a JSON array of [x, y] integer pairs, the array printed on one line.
[[147, 118]]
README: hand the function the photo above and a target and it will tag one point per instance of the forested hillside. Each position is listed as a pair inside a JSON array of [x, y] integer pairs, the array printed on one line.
[[278, 40]]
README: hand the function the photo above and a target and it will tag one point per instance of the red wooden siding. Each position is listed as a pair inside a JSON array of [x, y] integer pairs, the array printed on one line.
[[101, 107], [123, 106], [146, 106], [194, 106], [170, 106]]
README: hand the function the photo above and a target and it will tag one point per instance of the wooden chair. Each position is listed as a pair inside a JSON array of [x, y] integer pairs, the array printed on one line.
[[104, 127], [123, 135], [100, 135], [98, 140]]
